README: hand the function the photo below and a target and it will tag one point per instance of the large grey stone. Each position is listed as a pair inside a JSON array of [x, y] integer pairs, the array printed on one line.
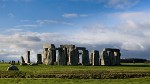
[[68, 48], [105, 59], [22, 62], [45, 52], [49, 54], [73, 57], [39, 59], [95, 61], [110, 56], [27, 56], [12, 67], [85, 58], [61, 57]]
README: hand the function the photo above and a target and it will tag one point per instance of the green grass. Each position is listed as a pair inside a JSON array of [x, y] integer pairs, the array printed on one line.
[[76, 81], [46, 68], [141, 67]]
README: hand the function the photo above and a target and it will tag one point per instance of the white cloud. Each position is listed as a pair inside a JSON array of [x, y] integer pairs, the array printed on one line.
[[15, 44], [22, 26], [117, 4], [11, 15], [121, 4], [131, 35], [70, 15], [25, 20], [73, 15], [42, 22], [132, 46]]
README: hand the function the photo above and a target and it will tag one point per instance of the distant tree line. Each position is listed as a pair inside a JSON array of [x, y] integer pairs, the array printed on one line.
[[133, 60]]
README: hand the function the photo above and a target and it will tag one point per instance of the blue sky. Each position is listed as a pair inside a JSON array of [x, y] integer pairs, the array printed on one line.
[[95, 24]]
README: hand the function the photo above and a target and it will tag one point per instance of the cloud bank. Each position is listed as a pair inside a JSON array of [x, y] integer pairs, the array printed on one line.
[[130, 35]]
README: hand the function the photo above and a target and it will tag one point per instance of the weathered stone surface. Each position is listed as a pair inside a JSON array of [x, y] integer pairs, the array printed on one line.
[[51, 57], [69, 54], [95, 61], [68, 48], [22, 62], [27, 56], [62, 57], [105, 60], [118, 58], [80, 48], [85, 58], [12, 67], [51, 46], [73, 57], [110, 56], [45, 52], [39, 59], [49, 54]]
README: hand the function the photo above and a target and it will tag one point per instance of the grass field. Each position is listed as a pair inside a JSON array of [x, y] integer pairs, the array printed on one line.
[[46, 68], [76, 81], [140, 67]]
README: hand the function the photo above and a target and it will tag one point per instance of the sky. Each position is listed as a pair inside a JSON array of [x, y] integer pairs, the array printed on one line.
[[94, 24]]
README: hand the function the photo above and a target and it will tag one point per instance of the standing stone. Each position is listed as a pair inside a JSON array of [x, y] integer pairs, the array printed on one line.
[[73, 57], [61, 57], [118, 58], [49, 57], [115, 57], [68, 48], [22, 62], [112, 58], [49, 54], [27, 56], [39, 59], [95, 58], [85, 58], [45, 55], [105, 60]]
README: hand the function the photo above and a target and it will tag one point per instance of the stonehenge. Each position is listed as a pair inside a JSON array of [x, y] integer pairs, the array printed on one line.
[[72, 55], [69, 55]]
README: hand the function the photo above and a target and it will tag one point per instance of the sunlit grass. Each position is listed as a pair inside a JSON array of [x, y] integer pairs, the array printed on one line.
[[46, 68]]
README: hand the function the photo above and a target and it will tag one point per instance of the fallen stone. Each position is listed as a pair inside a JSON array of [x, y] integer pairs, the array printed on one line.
[[12, 67]]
